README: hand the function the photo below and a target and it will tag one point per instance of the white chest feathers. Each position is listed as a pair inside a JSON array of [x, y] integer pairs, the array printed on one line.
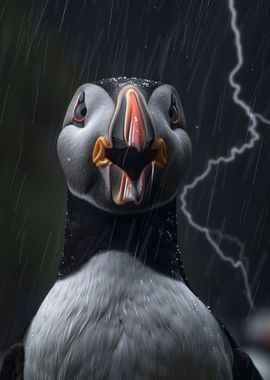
[[116, 319]]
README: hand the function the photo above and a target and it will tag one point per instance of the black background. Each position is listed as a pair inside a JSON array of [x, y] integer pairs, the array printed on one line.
[[49, 48]]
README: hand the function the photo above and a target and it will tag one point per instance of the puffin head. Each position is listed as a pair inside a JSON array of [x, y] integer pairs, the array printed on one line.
[[123, 146]]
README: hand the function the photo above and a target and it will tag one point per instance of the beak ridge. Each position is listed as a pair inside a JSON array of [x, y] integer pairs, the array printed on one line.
[[132, 126]]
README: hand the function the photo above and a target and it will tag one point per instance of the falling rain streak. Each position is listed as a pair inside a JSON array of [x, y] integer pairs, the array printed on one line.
[[49, 48], [234, 152]]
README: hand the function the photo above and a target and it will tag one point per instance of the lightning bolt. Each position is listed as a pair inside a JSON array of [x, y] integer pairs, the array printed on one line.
[[234, 152]]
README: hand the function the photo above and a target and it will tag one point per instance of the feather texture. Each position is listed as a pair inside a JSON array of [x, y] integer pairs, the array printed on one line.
[[115, 318]]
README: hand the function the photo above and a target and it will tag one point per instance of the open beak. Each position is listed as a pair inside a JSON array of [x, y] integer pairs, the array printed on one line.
[[133, 149]]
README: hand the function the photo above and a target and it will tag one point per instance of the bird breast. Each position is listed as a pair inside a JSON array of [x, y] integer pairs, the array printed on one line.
[[117, 319]]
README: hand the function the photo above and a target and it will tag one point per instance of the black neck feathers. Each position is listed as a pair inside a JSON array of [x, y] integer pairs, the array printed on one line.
[[150, 236]]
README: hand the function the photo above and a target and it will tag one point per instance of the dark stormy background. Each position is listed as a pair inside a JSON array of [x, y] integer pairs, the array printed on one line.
[[49, 48]]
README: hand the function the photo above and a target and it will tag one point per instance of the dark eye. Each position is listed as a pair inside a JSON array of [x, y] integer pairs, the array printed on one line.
[[173, 112], [80, 111]]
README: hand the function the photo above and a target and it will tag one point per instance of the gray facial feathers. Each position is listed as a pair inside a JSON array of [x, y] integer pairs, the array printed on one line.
[[101, 183]]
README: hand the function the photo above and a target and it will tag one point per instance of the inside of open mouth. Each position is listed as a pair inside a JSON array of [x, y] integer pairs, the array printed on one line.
[[131, 160]]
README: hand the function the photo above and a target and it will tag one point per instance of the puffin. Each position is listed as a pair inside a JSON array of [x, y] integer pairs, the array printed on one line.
[[121, 306]]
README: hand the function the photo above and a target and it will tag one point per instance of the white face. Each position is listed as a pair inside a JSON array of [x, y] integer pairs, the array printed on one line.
[[128, 155]]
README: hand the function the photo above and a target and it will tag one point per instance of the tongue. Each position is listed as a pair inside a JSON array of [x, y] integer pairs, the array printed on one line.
[[127, 191], [123, 189]]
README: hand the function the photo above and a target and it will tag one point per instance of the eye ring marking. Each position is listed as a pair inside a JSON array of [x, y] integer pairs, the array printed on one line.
[[80, 111], [173, 113]]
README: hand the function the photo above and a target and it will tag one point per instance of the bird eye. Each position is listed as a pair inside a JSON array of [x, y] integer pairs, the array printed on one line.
[[173, 112], [80, 111]]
